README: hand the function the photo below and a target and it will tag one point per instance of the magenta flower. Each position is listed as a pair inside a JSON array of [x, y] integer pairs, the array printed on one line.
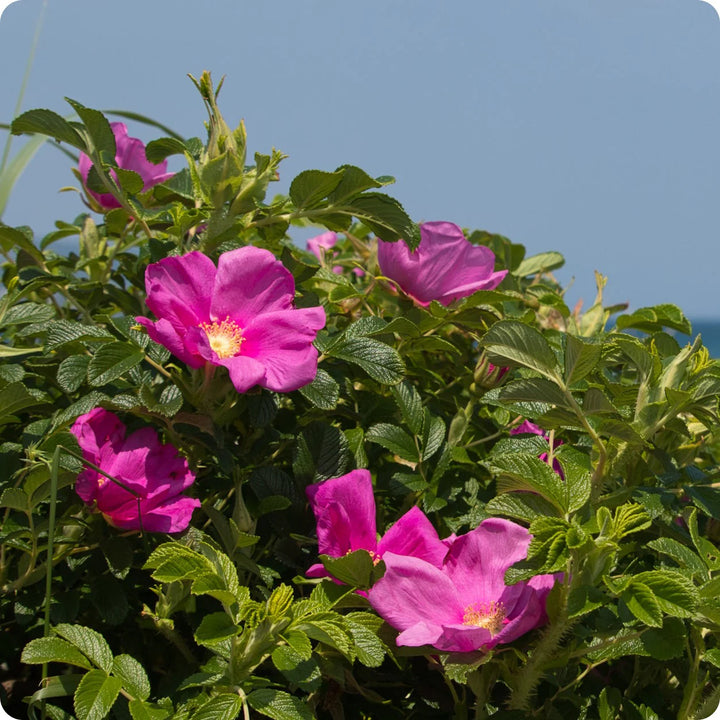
[[531, 428], [465, 605], [151, 469], [344, 508], [444, 267], [239, 315], [130, 155], [320, 246]]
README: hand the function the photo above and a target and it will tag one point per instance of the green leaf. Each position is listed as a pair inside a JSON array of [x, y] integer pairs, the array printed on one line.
[[72, 372], [355, 568], [173, 561], [353, 182], [533, 390], [111, 361], [580, 358], [95, 695], [675, 594], [299, 642], [15, 498], [92, 644], [47, 122], [323, 392], [225, 706], [521, 506], [642, 603], [310, 187], [278, 705], [53, 649], [61, 332], [410, 404], [300, 671], [13, 398], [529, 473], [28, 312], [510, 342], [322, 452], [378, 360], [364, 629], [140, 710], [98, 129], [541, 263], [215, 628], [133, 676], [705, 498], [386, 217], [394, 439], [158, 150], [433, 434], [682, 555], [655, 318]]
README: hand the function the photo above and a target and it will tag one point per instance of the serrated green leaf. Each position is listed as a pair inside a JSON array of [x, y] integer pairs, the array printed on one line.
[[364, 628], [310, 187], [642, 603], [521, 506], [133, 676], [278, 705], [533, 390], [410, 404], [323, 392], [140, 710], [47, 122], [111, 361], [581, 357], [91, 643], [378, 360], [61, 332], [95, 695], [224, 706], [322, 452], [394, 439], [433, 434], [300, 671], [684, 556], [53, 649], [299, 642], [675, 594], [543, 262], [355, 568], [72, 372], [15, 498], [215, 628], [510, 342]]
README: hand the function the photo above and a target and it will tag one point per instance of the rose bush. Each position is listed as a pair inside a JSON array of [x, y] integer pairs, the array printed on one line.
[[182, 335]]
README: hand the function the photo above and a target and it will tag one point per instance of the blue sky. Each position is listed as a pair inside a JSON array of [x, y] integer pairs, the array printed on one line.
[[584, 126]]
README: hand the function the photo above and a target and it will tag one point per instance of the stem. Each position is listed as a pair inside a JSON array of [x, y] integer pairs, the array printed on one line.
[[23, 86]]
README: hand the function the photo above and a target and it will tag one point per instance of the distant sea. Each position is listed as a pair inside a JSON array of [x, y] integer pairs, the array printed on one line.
[[710, 331]]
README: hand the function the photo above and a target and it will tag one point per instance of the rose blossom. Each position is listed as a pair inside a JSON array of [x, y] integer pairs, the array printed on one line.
[[465, 605], [344, 508], [151, 469], [444, 266], [239, 315], [130, 155]]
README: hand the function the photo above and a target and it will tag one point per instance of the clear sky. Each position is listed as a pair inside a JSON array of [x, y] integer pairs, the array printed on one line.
[[591, 127]]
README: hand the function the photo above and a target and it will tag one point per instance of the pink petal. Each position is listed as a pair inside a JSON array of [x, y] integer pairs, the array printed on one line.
[[464, 638], [444, 267], [318, 244], [413, 534], [245, 372], [165, 333], [179, 289], [282, 342], [344, 508], [413, 591], [250, 282], [477, 561], [419, 634]]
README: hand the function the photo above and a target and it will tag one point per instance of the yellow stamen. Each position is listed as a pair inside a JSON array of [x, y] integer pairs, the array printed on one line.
[[488, 615], [225, 337]]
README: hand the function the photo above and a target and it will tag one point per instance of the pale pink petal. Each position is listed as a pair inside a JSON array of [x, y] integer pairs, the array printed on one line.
[[250, 282], [344, 508], [165, 333], [419, 634], [464, 638], [413, 534], [413, 591], [320, 243], [282, 342]]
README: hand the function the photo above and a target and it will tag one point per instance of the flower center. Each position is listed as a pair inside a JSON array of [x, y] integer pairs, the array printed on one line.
[[225, 337], [486, 615]]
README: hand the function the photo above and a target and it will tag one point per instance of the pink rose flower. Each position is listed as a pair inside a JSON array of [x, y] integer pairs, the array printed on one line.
[[239, 315], [320, 245], [344, 508], [130, 155], [444, 267], [531, 428], [151, 469], [465, 605]]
